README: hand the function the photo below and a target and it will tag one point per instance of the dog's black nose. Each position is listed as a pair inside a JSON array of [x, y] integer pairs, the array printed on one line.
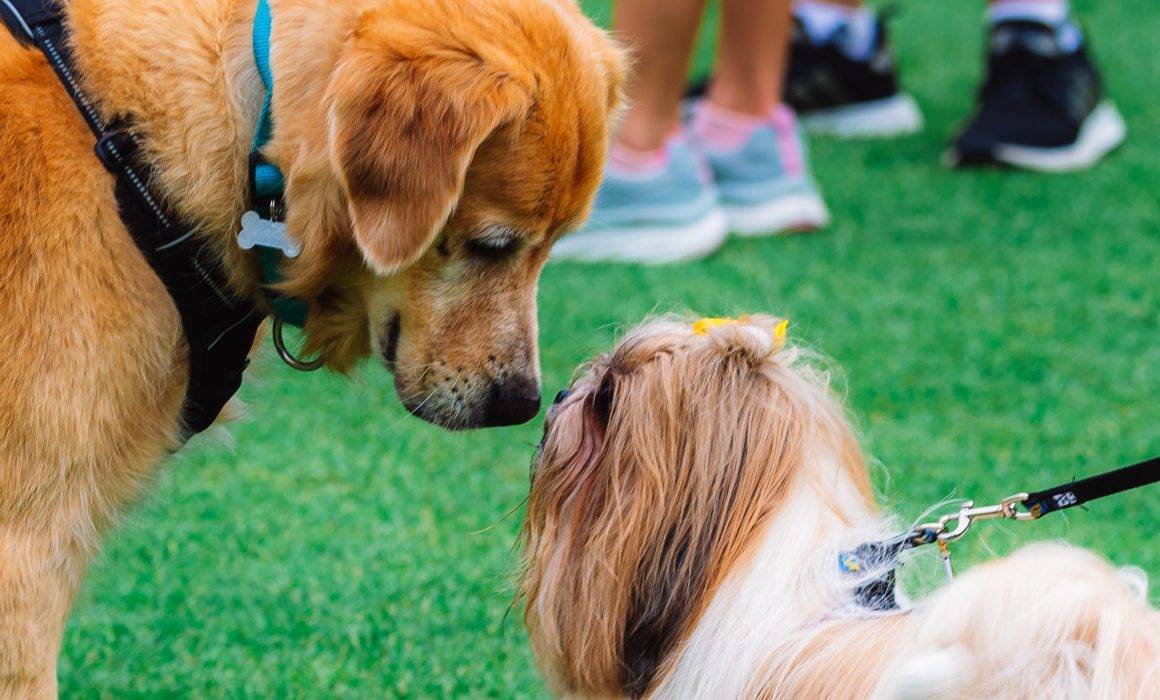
[[512, 402]]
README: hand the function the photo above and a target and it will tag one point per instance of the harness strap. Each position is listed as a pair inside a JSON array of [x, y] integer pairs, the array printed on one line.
[[219, 325], [876, 593]]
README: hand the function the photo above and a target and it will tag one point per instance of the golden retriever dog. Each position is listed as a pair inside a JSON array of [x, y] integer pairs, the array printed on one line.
[[433, 151], [688, 507]]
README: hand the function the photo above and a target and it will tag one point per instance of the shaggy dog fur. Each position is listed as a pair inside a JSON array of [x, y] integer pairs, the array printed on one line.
[[433, 150], [687, 509]]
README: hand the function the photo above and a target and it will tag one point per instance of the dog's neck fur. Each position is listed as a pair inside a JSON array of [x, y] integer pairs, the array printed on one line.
[[132, 56], [789, 585]]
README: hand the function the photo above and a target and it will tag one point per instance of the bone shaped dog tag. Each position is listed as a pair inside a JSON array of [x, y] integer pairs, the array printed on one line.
[[266, 233]]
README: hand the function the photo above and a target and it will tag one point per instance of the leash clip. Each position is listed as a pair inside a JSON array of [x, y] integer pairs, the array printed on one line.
[[968, 514]]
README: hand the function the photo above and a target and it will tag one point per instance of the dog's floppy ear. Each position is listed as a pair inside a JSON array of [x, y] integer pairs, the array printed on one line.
[[409, 107], [602, 399]]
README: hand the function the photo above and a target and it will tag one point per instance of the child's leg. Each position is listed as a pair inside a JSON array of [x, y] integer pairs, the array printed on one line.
[[660, 35], [749, 138], [657, 203], [752, 56]]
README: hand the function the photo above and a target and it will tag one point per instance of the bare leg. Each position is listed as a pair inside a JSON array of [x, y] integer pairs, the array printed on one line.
[[748, 137], [751, 62], [660, 34]]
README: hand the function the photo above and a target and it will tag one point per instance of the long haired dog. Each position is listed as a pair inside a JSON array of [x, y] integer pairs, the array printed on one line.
[[688, 505]]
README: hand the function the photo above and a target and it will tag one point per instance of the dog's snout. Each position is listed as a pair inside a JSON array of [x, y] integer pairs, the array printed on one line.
[[512, 402]]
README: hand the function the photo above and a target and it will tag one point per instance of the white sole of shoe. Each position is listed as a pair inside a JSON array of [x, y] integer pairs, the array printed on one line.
[[891, 116], [792, 213], [1102, 131], [658, 245]]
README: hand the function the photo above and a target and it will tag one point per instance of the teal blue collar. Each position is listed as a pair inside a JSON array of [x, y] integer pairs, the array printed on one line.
[[268, 184], [269, 180]]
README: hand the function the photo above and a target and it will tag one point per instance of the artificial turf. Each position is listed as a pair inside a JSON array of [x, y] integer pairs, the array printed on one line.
[[997, 331]]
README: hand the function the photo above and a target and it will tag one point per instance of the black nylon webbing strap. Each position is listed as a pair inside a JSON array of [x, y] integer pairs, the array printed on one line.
[[219, 326], [1079, 492]]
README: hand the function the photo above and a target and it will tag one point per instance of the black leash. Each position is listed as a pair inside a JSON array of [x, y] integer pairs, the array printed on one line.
[[1077, 493], [219, 325], [878, 593]]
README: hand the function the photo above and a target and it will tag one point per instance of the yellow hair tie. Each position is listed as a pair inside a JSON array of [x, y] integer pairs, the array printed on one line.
[[702, 326], [779, 332]]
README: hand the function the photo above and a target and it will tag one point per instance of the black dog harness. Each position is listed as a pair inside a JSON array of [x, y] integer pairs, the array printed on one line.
[[878, 593], [219, 325]]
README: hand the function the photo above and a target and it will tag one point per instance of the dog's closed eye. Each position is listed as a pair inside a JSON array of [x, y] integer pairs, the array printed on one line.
[[493, 243]]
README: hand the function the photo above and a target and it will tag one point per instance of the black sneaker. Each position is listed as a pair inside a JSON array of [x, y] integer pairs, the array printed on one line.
[[838, 95], [1041, 106]]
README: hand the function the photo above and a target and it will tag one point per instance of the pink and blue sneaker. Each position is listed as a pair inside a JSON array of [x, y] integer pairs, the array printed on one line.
[[653, 207], [727, 172], [760, 168]]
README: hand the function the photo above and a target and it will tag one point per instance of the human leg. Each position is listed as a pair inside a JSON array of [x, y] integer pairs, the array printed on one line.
[[657, 203], [751, 140]]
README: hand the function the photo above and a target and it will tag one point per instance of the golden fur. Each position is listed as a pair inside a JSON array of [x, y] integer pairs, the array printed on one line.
[[433, 150], [687, 507]]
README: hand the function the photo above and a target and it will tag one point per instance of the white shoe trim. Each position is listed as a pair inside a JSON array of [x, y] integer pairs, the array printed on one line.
[[801, 211], [1102, 131], [890, 116], [650, 245]]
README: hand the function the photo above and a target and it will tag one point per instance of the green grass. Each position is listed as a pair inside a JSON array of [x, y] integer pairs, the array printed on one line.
[[997, 330]]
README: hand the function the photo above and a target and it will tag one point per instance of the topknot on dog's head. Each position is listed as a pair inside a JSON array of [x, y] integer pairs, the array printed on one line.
[[757, 339], [671, 360]]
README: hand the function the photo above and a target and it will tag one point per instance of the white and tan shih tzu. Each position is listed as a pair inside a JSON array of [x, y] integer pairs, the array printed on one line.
[[688, 506]]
